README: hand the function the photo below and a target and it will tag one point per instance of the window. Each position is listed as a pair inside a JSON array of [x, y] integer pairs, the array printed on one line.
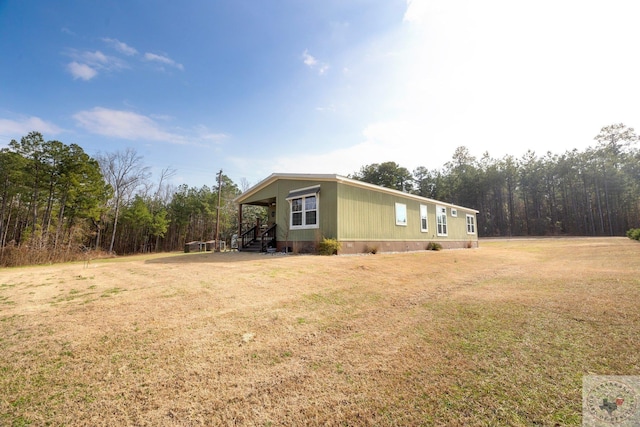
[[296, 212], [424, 224], [441, 220], [471, 224], [304, 208], [454, 212], [401, 214]]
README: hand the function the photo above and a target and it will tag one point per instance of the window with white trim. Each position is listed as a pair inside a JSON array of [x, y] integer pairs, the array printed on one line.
[[454, 212], [471, 224], [401, 214], [424, 223], [304, 211], [441, 220]]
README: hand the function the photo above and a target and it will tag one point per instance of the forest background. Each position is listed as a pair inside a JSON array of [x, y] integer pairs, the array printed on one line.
[[57, 203]]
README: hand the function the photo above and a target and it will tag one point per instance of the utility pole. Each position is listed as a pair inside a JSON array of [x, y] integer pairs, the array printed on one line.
[[218, 213]]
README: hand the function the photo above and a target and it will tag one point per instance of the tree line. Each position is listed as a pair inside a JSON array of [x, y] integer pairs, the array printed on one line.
[[58, 203], [595, 192]]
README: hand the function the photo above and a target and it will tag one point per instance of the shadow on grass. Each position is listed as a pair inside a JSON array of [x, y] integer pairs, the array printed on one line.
[[211, 257]]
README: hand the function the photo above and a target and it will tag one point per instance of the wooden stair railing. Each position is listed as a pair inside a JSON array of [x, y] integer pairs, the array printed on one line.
[[248, 236], [266, 238]]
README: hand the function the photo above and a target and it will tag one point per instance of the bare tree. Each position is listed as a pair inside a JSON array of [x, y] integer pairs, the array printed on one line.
[[244, 184], [124, 171], [163, 192]]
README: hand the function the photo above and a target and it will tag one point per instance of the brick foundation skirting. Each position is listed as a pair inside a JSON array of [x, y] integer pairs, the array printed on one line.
[[362, 247]]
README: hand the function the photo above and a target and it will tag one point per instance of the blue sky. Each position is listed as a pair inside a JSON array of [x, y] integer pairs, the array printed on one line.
[[254, 87]]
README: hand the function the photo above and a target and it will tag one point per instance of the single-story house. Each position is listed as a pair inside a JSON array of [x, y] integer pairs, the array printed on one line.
[[303, 209]]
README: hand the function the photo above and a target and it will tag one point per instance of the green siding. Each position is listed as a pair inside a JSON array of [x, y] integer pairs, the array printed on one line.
[[269, 192], [458, 226], [326, 209], [367, 215]]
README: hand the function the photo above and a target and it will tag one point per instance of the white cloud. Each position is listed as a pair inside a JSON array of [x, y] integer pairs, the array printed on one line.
[[328, 109], [138, 127], [87, 64], [163, 60], [382, 142], [97, 58], [308, 59], [214, 137], [125, 125], [416, 11], [204, 134], [376, 146], [163, 117], [341, 161], [81, 71], [311, 62], [18, 128], [120, 46]]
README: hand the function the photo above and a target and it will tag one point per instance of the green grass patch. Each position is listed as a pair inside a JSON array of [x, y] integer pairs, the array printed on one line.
[[329, 298], [111, 292], [6, 301]]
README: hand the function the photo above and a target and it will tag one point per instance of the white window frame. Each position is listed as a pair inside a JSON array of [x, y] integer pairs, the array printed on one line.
[[303, 200], [454, 212], [401, 214], [424, 218], [471, 225], [441, 221]]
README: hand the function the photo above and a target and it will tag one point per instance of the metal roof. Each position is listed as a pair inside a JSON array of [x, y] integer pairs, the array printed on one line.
[[341, 179]]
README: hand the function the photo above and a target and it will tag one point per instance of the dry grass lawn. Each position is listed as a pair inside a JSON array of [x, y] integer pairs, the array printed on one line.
[[501, 335]]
